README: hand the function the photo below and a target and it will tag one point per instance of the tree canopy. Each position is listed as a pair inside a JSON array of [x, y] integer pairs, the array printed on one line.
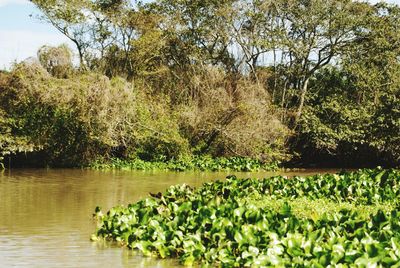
[[327, 70]]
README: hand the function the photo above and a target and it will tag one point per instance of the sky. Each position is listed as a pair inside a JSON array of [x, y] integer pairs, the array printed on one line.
[[22, 33]]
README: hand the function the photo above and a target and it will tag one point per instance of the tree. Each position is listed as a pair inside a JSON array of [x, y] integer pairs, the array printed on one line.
[[69, 17], [56, 60], [315, 32], [353, 113], [192, 28]]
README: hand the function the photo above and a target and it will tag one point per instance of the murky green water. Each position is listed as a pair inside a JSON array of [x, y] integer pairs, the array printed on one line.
[[45, 215]]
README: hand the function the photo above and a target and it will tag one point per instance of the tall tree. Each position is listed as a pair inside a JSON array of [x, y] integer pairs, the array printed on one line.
[[69, 17], [316, 32], [201, 29]]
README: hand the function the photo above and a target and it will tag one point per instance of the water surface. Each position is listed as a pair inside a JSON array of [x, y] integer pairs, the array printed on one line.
[[45, 215]]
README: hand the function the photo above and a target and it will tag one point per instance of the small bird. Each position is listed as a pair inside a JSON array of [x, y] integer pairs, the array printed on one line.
[[157, 195]]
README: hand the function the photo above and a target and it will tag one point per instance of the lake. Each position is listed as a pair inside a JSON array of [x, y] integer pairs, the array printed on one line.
[[46, 215]]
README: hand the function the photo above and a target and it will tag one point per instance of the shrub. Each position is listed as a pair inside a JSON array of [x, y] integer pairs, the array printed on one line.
[[157, 134], [222, 122], [74, 121], [340, 127], [56, 60], [88, 117]]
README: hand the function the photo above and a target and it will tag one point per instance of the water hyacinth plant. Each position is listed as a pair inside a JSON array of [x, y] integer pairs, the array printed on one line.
[[234, 223], [199, 163]]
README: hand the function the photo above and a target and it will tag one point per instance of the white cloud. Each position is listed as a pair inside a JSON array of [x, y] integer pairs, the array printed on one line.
[[20, 44], [13, 2], [388, 1]]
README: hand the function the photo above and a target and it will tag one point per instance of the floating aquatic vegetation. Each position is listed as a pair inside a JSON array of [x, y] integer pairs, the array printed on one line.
[[219, 224], [202, 163]]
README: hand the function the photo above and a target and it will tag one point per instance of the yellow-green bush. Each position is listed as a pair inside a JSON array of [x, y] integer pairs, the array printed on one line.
[[86, 117], [74, 121], [242, 122]]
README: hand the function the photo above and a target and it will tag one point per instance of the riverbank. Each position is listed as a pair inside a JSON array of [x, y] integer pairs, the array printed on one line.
[[200, 163], [46, 121], [345, 218]]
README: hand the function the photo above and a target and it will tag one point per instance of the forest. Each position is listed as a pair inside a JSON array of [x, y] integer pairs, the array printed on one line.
[[282, 83]]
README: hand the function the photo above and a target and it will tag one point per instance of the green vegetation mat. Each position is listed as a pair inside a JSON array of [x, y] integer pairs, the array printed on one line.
[[343, 220], [202, 163]]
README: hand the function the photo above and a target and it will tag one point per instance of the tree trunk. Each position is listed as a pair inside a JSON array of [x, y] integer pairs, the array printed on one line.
[[302, 98], [284, 93], [82, 64]]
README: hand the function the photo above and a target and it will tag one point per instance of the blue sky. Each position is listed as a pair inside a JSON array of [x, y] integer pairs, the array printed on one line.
[[21, 34]]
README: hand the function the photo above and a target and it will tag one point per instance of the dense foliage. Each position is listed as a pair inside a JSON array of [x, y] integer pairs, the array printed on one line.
[[343, 127], [224, 223], [318, 79], [89, 118]]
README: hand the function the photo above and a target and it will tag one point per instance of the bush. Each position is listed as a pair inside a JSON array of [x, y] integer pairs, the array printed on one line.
[[75, 121], [345, 125], [56, 60], [157, 134], [10, 142], [87, 117], [243, 122]]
